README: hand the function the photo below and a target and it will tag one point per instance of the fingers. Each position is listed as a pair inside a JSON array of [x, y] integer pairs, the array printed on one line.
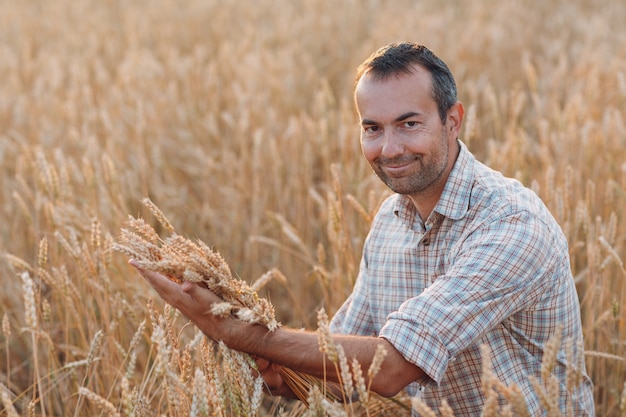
[[156, 280], [199, 293], [167, 289], [189, 297], [271, 374], [160, 282], [262, 364]]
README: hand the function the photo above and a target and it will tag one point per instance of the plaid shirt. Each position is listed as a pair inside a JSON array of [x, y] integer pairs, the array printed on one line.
[[489, 266]]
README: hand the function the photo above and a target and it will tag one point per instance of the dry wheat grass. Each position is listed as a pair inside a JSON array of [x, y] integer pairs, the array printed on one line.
[[230, 118]]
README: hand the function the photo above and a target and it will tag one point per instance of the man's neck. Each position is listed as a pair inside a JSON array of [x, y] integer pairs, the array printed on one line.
[[424, 205]]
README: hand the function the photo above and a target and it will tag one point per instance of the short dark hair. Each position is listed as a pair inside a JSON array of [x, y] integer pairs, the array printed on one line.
[[400, 57]]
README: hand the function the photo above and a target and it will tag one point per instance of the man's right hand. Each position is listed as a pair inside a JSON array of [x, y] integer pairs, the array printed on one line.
[[274, 381]]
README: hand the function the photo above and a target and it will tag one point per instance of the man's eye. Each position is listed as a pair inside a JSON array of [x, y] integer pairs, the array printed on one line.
[[410, 124], [370, 129]]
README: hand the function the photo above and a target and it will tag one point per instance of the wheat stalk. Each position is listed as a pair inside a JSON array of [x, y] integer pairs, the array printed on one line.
[[102, 403], [5, 395]]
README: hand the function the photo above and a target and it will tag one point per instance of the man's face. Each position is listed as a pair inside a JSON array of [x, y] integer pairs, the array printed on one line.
[[402, 135]]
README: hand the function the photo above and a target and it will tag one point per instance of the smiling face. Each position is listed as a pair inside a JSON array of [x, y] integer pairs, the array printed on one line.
[[402, 135]]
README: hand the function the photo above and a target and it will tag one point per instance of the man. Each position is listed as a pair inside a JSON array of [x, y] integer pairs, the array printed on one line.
[[458, 257]]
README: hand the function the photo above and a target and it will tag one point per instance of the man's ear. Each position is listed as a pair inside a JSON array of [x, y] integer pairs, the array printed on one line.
[[455, 118]]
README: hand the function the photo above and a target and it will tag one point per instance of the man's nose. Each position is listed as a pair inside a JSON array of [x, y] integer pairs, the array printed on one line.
[[392, 144]]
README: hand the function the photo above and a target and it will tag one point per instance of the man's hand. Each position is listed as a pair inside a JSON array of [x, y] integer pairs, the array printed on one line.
[[274, 382], [194, 302]]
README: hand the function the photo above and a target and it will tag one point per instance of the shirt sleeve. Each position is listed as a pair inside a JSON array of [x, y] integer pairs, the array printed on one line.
[[498, 269], [353, 317]]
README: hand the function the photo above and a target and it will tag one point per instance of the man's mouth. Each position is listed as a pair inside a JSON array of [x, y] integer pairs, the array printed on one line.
[[397, 168]]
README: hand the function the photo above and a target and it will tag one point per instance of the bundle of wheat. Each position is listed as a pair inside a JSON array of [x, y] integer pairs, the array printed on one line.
[[182, 259]]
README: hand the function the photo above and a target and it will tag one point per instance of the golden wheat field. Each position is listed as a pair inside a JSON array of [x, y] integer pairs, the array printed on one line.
[[236, 119]]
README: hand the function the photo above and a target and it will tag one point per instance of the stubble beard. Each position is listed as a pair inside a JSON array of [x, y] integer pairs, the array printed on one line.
[[430, 172]]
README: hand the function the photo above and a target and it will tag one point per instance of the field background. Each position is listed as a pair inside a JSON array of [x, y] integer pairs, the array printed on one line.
[[236, 119]]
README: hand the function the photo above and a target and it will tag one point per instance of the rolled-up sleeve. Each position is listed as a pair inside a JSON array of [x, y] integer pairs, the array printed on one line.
[[498, 269]]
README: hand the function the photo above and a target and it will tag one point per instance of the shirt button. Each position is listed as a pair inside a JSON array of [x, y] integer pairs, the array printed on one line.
[[426, 242]]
